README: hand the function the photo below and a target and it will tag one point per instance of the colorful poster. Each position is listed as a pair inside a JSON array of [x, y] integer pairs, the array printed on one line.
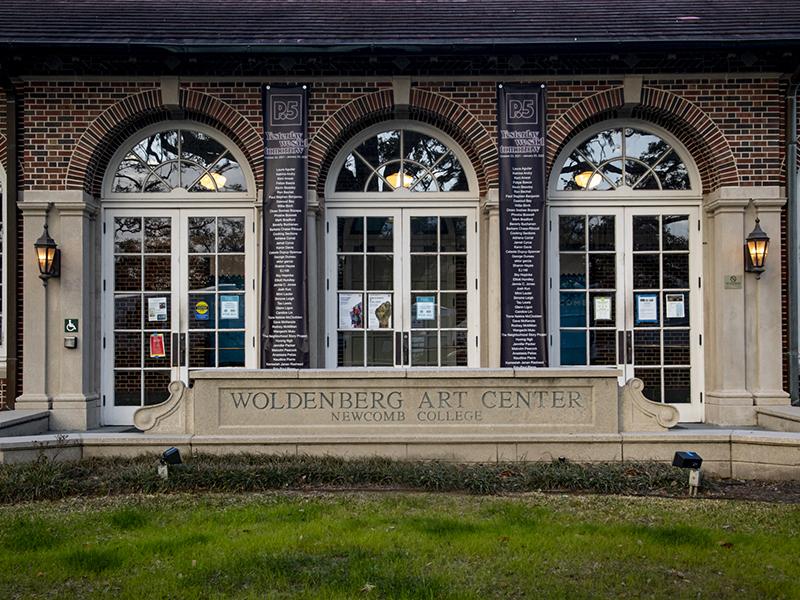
[[157, 309], [229, 307], [426, 308], [201, 311], [157, 345], [380, 311], [351, 311]]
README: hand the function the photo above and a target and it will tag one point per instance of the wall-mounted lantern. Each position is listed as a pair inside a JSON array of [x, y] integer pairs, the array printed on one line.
[[48, 256], [755, 251]]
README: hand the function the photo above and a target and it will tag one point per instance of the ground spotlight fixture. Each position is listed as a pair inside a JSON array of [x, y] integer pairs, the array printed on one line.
[[691, 461], [171, 456], [48, 256], [755, 251]]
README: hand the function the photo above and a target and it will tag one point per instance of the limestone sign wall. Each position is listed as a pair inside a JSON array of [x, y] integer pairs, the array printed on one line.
[[401, 402]]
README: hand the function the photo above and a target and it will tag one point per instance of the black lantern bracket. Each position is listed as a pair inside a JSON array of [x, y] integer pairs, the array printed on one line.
[[48, 257]]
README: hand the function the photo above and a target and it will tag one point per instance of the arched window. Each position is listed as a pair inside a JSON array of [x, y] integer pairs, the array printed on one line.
[[178, 158], [402, 159], [623, 158]]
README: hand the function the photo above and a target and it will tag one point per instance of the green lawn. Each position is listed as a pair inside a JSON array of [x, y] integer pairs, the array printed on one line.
[[398, 545]]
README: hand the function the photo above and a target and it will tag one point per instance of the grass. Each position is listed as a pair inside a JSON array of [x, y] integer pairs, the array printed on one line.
[[398, 545], [49, 480]]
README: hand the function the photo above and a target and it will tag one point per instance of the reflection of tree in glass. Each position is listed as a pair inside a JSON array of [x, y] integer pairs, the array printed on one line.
[[201, 234], [157, 234], [127, 234]]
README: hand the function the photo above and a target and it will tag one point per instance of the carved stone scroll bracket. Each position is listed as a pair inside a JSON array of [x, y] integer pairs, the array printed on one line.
[[637, 413], [171, 416]]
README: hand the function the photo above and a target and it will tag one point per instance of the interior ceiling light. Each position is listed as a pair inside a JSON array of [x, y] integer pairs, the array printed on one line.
[[209, 180], [394, 180], [588, 179]]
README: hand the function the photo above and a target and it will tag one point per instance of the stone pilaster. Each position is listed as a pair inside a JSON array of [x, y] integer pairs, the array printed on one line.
[[491, 279], [313, 280]]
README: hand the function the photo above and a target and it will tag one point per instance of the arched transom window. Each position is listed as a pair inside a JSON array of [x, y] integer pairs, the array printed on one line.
[[178, 158], [623, 157], [402, 159]]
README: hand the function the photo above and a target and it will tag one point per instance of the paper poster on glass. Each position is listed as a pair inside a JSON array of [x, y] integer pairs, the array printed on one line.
[[351, 311], [646, 308], [380, 311], [602, 308], [228, 307], [426, 308], [157, 346], [156, 309], [201, 311], [676, 307]]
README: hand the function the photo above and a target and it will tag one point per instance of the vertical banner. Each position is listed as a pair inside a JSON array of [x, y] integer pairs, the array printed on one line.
[[521, 145], [284, 335]]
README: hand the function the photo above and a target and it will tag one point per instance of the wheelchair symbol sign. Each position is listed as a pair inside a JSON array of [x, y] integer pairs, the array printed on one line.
[[70, 325]]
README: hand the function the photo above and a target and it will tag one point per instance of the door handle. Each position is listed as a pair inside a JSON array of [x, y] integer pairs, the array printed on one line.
[[406, 356], [398, 349], [620, 347], [182, 349], [629, 347], [174, 351]]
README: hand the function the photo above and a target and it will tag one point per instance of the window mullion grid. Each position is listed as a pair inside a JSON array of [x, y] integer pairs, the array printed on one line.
[[207, 171]]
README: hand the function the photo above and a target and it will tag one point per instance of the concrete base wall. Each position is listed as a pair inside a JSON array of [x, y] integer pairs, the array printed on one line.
[[742, 454]]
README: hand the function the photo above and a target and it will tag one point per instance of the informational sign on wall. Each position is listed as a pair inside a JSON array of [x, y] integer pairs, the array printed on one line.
[[521, 146], [284, 335]]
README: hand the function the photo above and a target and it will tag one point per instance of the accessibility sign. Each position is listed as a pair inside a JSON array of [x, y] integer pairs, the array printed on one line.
[[70, 325]]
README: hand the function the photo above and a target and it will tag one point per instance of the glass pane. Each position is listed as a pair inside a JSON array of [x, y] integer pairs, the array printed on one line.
[[453, 310], [602, 309], [231, 234], [573, 347], [647, 347], [424, 275], [127, 235], [351, 349], [645, 271], [380, 272], [231, 312], [601, 233], [158, 235], [351, 272], [644, 146], [676, 270], [169, 173], [603, 347], [127, 311], [157, 273], [677, 386], [202, 311], [200, 148], [424, 349], [423, 234], [155, 360], [156, 387], [416, 177], [228, 175], [602, 270], [127, 388], [450, 175], [453, 235], [350, 234], [202, 349], [380, 234], [195, 179], [423, 311], [676, 232], [613, 174], [652, 383], [672, 173], [602, 146], [231, 272], [577, 174], [572, 309], [422, 148], [127, 273], [676, 347], [573, 271], [127, 349], [158, 148], [380, 349], [155, 185], [202, 273], [130, 176], [379, 308], [634, 171], [571, 233], [231, 348], [454, 348], [676, 309], [645, 233], [158, 309], [381, 148], [353, 175], [648, 183], [453, 272], [201, 234]]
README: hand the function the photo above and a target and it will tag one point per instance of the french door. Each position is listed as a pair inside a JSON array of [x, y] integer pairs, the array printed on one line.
[[402, 288], [625, 292], [178, 295]]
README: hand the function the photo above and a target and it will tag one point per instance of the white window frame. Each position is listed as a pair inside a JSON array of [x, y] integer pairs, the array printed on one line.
[[178, 195], [4, 261]]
